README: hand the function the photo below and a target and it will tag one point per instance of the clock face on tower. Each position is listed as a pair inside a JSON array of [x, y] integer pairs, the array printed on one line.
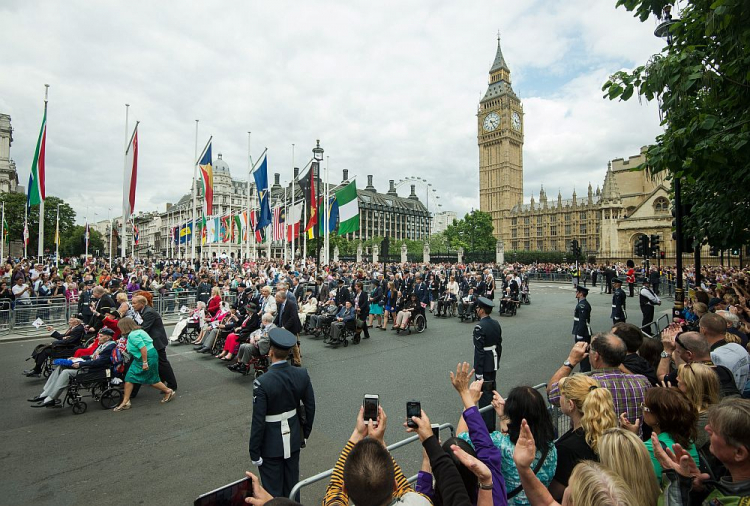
[[515, 121], [491, 122]]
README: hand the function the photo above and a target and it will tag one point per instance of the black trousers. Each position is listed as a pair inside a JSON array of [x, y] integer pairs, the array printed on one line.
[[278, 475], [631, 286], [489, 417], [585, 364], [165, 373], [648, 316]]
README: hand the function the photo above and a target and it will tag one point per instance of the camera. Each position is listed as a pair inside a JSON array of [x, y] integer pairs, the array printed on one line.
[[413, 408], [371, 403]]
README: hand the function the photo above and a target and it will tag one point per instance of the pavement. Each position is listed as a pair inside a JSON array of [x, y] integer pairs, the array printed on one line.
[[172, 453]]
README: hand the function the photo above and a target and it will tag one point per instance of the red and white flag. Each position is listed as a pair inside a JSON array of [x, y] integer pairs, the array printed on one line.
[[131, 176], [278, 224], [293, 218]]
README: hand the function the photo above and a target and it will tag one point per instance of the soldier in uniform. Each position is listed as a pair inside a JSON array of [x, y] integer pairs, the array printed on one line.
[[488, 347], [581, 321], [618, 303], [280, 425]]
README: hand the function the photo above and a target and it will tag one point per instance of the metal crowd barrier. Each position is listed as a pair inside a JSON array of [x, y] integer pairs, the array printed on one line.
[[562, 425]]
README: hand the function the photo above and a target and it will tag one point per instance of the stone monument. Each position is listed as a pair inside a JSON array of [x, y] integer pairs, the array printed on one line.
[[375, 253], [359, 253], [426, 253], [499, 252], [335, 253], [403, 254]]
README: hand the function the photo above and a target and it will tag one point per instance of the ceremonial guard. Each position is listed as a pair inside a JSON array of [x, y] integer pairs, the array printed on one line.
[[280, 424], [581, 321], [648, 299], [488, 347], [618, 302]]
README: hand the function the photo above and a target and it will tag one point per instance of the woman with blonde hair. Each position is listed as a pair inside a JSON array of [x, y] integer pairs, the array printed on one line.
[[591, 484], [591, 411], [144, 366], [700, 384], [625, 454]]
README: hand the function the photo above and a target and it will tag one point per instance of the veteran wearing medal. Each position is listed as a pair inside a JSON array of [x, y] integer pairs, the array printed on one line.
[[283, 414], [488, 347]]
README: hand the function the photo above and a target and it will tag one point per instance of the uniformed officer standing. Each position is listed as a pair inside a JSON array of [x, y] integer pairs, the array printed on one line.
[[277, 429], [618, 303], [488, 347], [581, 320]]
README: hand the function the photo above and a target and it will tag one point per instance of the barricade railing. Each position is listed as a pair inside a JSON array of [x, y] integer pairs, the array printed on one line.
[[562, 424]]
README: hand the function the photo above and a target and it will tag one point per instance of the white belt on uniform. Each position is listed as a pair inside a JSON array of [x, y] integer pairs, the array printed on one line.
[[575, 318], [285, 430], [493, 349]]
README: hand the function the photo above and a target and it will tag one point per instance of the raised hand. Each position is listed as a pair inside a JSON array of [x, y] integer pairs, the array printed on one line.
[[473, 464], [462, 377], [625, 424], [525, 450], [498, 403], [377, 430]]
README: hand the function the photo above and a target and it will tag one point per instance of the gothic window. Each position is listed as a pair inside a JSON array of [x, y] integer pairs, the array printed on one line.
[[540, 245], [661, 205], [526, 220], [567, 216], [539, 231], [514, 221], [553, 231], [515, 245], [567, 229], [583, 228], [583, 215], [527, 245], [515, 233], [526, 232]]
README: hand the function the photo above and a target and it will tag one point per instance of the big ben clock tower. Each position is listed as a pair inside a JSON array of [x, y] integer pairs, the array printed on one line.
[[500, 139]]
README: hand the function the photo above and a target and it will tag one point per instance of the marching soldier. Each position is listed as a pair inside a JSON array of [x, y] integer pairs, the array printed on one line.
[[488, 347], [581, 321], [280, 425], [618, 303]]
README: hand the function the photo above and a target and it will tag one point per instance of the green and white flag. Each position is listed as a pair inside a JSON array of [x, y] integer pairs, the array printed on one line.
[[348, 208]]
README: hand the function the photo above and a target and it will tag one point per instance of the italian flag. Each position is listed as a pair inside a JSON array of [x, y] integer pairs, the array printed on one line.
[[348, 208], [36, 185]]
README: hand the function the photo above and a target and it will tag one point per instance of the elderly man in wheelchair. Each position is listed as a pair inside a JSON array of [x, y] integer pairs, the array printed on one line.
[[466, 305], [255, 351], [64, 345], [58, 382]]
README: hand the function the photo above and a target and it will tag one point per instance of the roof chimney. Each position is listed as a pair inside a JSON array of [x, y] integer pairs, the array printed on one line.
[[392, 187], [277, 180], [296, 172], [346, 175], [413, 194], [370, 187]]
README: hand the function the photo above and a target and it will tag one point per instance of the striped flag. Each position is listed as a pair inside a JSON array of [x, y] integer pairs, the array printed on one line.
[[131, 175], [136, 235], [348, 208], [36, 193], [86, 234], [279, 218], [26, 233], [293, 219], [207, 178], [253, 225]]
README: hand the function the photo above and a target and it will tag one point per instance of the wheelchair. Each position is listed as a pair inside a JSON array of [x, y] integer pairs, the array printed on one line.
[[449, 307], [509, 306], [418, 322], [468, 314], [257, 366], [100, 386], [55, 353], [525, 298], [190, 333], [347, 332], [219, 342], [325, 327]]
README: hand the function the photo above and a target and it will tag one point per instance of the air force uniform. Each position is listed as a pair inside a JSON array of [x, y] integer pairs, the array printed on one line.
[[581, 321], [280, 423], [618, 303], [488, 347]]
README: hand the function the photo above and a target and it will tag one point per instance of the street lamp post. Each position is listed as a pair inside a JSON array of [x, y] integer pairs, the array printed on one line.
[[664, 31], [318, 157]]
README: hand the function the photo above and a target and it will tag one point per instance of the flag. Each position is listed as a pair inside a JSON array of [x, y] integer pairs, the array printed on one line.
[[36, 193], [136, 235], [307, 183], [86, 235], [279, 216], [6, 233], [333, 214], [348, 208], [293, 218], [207, 179], [211, 231], [225, 231], [186, 232], [243, 219], [253, 223], [131, 176], [264, 194], [203, 230], [57, 233], [237, 224], [26, 233]]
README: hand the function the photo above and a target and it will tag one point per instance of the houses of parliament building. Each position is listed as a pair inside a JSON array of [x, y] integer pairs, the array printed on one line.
[[606, 221]]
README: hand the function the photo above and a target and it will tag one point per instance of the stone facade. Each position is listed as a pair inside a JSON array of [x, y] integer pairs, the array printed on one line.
[[8, 172]]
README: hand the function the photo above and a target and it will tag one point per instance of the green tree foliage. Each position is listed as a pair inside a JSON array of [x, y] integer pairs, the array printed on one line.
[[472, 233], [73, 243], [14, 215], [702, 81]]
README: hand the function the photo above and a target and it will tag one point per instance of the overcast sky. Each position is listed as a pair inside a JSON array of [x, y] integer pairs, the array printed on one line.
[[390, 88]]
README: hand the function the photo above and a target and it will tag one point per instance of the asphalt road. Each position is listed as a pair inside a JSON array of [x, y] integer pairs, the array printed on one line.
[[169, 454]]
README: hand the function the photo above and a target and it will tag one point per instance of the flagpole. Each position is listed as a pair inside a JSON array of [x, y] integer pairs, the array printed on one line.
[[86, 238], [195, 193], [284, 228], [327, 219], [25, 230], [2, 235], [250, 237], [57, 238], [124, 237], [109, 220], [293, 195], [132, 244], [40, 246]]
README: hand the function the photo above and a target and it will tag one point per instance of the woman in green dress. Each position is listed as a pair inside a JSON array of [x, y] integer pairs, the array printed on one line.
[[144, 366]]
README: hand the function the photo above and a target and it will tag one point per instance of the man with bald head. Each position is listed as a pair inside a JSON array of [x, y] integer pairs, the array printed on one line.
[[690, 348], [730, 355], [606, 353]]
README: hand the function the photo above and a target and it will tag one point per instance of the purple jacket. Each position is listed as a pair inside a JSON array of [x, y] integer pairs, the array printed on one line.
[[488, 453]]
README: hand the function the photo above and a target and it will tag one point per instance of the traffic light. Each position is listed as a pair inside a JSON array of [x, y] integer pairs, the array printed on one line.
[[638, 247], [735, 252], [663, 255], [575, 249], [655, 239], [645, 246]]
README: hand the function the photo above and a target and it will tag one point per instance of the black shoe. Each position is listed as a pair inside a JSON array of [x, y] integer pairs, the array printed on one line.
[[31, 374], [47, 404], [36, 399]]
